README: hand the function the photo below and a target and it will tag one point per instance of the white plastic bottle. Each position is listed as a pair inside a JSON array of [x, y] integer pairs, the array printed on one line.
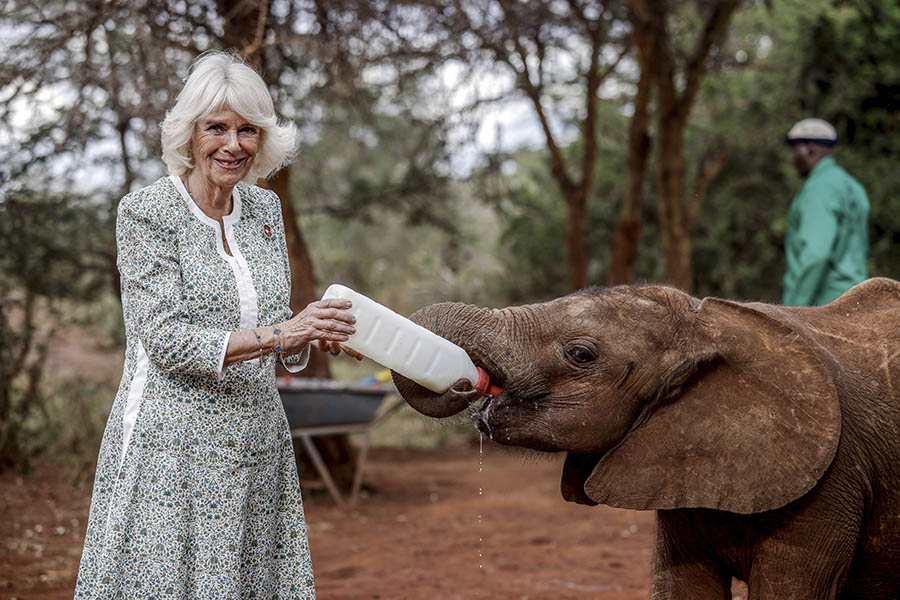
[[408, 348]]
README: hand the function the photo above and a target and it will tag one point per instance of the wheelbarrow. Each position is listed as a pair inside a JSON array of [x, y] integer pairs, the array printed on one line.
[[326, 407]]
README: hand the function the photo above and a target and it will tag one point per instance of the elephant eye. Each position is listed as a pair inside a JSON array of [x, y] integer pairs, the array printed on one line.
[[580, 355]]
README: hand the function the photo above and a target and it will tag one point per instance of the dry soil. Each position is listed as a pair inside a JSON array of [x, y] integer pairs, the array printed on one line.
[[432, 524]]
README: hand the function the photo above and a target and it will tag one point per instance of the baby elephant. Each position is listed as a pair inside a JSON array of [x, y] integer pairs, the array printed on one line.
[[766, 437]]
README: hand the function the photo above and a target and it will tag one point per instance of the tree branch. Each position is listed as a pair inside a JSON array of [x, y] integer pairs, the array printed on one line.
[[557, 163], [706, 174], [627, 44], [251, 49], [589, 126], [713, 32]]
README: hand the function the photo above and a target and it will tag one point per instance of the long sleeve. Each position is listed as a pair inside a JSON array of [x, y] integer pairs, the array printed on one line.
[[152, 283], [814, 230]]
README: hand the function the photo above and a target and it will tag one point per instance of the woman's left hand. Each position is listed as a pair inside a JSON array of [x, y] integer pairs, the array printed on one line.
[[335, 348], [323, 324]]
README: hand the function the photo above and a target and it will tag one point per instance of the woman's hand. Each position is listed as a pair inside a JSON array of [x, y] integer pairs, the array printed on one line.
[[335, 348], [324, 323]]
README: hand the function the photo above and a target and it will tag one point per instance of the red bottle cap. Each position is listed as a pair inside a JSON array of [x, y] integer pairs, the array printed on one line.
[[484, 387]]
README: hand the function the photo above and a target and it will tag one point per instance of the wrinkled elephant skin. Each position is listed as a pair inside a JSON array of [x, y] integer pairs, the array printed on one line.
[[766, 437]]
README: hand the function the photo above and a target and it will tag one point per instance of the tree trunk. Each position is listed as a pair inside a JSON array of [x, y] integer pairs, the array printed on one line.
[[336, 450], [627, 236], [673, 220], [303, 278], [671, 119], [649, 18], [576, 214], [244, 31], [576, 192]]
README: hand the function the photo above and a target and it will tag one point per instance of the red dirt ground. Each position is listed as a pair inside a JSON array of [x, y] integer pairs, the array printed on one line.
[[423, 532]]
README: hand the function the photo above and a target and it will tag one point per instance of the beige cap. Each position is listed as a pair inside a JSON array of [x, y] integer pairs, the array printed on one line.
[[818, 131]]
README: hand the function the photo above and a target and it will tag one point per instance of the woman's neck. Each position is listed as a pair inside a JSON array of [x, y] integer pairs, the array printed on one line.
[[213, 200]]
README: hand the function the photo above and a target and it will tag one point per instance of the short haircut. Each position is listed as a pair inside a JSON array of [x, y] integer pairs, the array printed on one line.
[[219, 80]]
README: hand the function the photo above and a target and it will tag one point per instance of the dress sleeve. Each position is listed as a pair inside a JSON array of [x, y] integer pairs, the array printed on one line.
[[150, 271], [813, 241], [293, 362]]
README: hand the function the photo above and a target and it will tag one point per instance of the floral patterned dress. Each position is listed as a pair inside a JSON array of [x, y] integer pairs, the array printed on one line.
[[196, 494]]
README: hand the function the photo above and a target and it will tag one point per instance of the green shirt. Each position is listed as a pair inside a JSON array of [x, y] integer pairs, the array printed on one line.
[[827, 239]]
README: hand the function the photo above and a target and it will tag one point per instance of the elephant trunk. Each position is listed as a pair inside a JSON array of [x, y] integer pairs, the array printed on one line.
[[465, 325]]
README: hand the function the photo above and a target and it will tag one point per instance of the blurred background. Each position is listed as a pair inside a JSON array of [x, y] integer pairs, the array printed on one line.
[[494, 152]]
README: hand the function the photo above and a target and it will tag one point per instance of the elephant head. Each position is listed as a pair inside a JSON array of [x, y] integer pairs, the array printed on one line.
[[660, 400]]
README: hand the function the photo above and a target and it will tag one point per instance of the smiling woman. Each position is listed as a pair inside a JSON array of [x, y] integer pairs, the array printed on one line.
[[196, 492], [224, 145], [219, 81]]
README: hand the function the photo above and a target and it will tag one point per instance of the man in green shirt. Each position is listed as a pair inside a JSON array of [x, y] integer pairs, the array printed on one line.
[[827, 239]]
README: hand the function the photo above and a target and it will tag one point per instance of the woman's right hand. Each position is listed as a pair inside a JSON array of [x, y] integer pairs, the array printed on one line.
[[323, 320]]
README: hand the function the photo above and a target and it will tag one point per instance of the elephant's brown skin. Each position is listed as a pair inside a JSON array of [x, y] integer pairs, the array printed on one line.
[[766, 437]]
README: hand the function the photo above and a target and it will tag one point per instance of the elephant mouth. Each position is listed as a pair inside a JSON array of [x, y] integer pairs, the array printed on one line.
[[481, 418], [514, 420], [576, 471], [456, 399], [491, 419], [495, 372]]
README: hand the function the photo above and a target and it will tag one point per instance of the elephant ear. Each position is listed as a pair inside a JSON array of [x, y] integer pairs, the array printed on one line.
[[752, 422]]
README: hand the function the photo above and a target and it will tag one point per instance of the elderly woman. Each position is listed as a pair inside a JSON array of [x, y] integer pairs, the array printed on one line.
[[196, 493]]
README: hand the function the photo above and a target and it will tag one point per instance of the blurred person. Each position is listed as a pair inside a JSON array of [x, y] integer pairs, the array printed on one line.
[[827, 240], [196, 493]]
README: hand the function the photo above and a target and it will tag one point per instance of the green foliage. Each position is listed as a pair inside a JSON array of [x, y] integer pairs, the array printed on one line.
[[381, 215], [379, 205], [409, 429], [781, 63], [837, 62], [405, 266], [850, 76], [71, 421], [531, 247], [364, 163], [532, 214], [49, 249], [739, 229], [53, 245]]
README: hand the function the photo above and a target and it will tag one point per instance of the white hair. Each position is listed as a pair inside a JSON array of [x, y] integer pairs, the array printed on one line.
[[219, 80]]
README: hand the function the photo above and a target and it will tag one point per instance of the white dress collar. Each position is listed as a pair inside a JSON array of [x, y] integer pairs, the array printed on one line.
[[228, 219]]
